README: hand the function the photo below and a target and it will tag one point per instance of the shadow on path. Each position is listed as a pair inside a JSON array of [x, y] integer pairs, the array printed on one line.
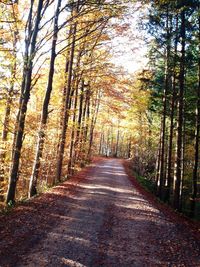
[[99, 220]]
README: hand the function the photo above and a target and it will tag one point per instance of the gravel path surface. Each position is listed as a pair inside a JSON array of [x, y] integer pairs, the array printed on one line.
[[105, 221]]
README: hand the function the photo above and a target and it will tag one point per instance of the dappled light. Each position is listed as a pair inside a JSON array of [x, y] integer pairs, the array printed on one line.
[[98, 218], [100, 125], [72, 263]]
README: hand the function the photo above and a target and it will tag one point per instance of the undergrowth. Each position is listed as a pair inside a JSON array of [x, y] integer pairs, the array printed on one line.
[[145, 182]]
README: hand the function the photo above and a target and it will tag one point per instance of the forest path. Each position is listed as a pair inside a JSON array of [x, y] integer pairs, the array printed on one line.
[[101, 220]]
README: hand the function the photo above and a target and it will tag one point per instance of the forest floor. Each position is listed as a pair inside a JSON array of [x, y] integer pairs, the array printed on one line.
[[98, 218]]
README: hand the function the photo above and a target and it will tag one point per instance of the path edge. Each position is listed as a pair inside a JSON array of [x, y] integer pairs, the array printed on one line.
[[176, 217]]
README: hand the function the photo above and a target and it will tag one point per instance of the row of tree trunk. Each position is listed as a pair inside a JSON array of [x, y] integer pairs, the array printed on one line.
[[80, 102], [170, 162]]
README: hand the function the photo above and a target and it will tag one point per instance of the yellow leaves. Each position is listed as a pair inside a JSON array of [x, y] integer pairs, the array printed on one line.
[[189, 151]]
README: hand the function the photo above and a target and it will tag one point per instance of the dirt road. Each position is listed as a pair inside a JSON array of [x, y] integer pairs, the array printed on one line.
[[101, 221]]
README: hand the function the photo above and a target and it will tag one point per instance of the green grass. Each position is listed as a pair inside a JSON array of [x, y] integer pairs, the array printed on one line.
[[146, 183]]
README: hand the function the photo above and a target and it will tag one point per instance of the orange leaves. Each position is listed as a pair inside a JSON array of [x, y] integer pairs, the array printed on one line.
[[121, 29]]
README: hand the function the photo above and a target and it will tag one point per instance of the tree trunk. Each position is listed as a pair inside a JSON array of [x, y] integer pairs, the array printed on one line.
[[28, 35], [178, 167], [157, 175], [65, 118], [85, 125], [6, 123], [44, 115], [117, 141], [93, 123], [172, 111], [196, 146], [3, 146], [23, 109], [100, 143], [163, 125], [71, 154], [129, 148], [80, 115]]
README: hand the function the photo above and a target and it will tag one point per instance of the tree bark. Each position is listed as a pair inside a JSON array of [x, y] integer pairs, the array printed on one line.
[[23, 109], [178, 167], [28, 35], [65, 118], [172, 113], [163, 125], [79, 121], [6, 123], [196, 146], [157, 175], [84, 126], [44, 115], [71, 154], [93, 123], [117, 141]]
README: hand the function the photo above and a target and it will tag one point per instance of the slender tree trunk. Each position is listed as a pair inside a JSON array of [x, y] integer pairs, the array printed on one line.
[[64, 93], [85, 125], [117, 143], [72, 157], [80, 116], [71, 154], [163, 134], [129, 148], [28, 35], [65, 118], [93, 123], [107, 142], [100, 143], [77, 79], [3, 146], [44, 115], [6, 123], [157, 182], [178, 167], [182, 162], [172, 112], [23, 109], [196, 146]]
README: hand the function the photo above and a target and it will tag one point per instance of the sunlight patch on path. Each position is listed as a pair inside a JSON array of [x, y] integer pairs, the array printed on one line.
[[106, 222], [72, 263]]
